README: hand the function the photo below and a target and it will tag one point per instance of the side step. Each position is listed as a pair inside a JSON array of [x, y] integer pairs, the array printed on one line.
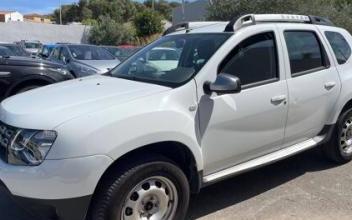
[[261, 161]]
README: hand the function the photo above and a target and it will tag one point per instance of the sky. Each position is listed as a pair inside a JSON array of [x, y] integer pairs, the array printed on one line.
[[31, 6]]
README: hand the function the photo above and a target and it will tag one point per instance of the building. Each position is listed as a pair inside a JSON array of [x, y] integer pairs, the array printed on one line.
[[195, 11], [37, 18], [7, 16]]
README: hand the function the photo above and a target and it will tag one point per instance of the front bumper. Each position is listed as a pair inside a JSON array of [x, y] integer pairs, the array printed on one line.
[[57, 189], [38, 209]]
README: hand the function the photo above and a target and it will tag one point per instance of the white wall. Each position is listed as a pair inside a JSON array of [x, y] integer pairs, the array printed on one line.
[[45, 33], [13, 16]]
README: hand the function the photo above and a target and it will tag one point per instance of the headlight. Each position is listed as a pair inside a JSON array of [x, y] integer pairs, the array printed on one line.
[[30, 147], [87, 70], [59, 70]]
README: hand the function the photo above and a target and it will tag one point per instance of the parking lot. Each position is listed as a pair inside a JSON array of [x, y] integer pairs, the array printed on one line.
[[303, 187]]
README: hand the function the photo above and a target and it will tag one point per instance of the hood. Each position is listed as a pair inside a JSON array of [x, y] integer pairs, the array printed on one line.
[[50, 106], [30, 61], [102, 66]]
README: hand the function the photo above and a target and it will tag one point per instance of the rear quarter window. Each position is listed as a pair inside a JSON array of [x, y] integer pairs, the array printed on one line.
[[341, 48]]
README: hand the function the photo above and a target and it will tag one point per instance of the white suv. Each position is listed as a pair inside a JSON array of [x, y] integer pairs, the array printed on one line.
[[134, 143]]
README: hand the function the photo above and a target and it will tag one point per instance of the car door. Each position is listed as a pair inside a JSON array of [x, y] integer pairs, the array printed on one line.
[[235, 128], [5, 76], [313, 82]]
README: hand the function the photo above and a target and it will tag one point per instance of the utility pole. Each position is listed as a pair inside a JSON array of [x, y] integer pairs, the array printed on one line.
[[153, 5], [183, 10], [60, 12]]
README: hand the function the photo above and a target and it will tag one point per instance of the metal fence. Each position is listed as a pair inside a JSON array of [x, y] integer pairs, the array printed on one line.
[[45, 33]]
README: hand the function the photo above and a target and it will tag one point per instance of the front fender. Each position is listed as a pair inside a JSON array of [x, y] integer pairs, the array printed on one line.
[[126, 127], [42, 78]]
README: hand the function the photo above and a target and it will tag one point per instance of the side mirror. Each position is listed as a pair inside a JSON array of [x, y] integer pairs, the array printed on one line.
[[224, 84], [66, 60]]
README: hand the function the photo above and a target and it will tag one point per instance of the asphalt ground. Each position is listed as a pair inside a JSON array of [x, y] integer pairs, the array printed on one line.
[[305, 186]]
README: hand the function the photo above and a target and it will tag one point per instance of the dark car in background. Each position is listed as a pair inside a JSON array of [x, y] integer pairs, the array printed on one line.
[[20, 74], [83, 59], [121, 52], [16, 49]]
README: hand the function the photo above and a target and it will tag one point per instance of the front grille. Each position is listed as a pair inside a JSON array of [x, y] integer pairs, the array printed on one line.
[[7, 133]]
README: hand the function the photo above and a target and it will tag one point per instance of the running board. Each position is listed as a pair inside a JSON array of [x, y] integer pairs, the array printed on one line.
[[264, 160]]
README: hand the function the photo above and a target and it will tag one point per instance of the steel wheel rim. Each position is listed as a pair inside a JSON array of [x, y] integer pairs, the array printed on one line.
[[154, 198], [346, 137]]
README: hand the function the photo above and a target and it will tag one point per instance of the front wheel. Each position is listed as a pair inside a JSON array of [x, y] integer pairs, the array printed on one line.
[[339, 148], [156, 190]]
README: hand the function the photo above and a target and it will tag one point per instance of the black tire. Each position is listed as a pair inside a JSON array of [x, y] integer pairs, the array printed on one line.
[[109, 200], [333, 149]]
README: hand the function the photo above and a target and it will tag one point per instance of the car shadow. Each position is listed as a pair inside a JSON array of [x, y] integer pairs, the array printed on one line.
[[243, 187]]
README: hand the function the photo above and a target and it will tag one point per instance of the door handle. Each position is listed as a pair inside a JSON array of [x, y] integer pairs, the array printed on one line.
[[278, 99], [329, 85]]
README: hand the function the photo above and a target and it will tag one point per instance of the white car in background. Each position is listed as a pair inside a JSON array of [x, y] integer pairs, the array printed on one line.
[[163, 58]]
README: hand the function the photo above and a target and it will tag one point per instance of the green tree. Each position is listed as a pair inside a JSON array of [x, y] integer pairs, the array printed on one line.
[[109, 32], [69, 14], [148, 23], [118, 10], [339, 11], [163, 7]]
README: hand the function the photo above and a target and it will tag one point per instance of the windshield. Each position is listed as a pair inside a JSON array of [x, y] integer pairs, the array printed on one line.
[[17, 50], [29, 45], [5, 52], [171, 60], [89, 52]]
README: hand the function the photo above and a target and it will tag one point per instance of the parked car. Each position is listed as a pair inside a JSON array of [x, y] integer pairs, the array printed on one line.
[[32, 47], [20, 74], [163, 58], [45, 51], [16, 50], [83, 60], [135, 142], [122, 52]]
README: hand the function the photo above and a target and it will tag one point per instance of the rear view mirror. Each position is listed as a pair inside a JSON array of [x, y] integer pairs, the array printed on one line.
[[224, 84]]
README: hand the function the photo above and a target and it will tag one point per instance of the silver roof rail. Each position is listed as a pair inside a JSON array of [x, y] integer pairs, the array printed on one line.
[[253, 19], [188, 26]]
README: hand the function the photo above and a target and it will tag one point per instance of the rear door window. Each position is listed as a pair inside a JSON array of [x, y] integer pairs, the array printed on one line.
[[305, 51], [341, 48]]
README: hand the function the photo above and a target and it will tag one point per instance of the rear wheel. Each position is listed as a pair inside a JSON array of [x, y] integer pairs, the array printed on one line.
[[339, 148], [156, 189]]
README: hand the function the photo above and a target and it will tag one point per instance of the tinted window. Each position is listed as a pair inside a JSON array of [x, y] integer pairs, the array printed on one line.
[[5, 52], [339, 45], [16, 50], [305, 51], [254, 60]]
